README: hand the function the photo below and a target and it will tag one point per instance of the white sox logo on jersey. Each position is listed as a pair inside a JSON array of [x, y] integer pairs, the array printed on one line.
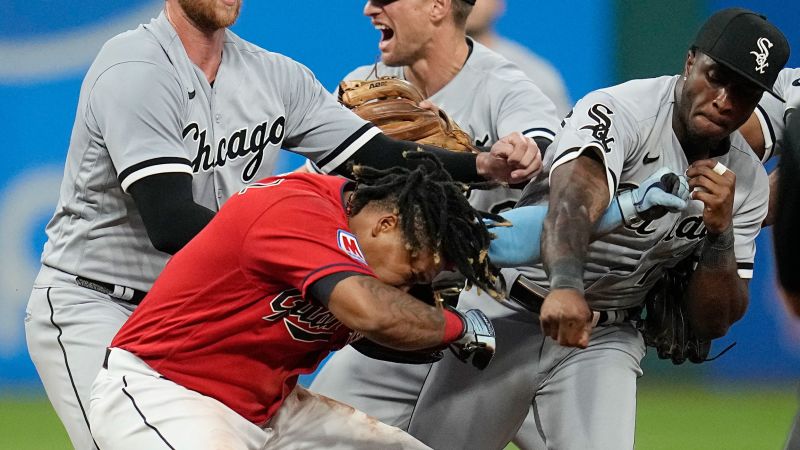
[[602, 118], [761, 56], [239, 144], [305, 321]]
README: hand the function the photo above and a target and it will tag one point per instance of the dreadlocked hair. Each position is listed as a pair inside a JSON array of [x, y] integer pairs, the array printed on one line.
[[433, 212]]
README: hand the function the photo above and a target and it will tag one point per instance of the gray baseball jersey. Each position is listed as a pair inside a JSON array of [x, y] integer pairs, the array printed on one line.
[[629, 127], [771, 112], [501, 100], [146, 109]]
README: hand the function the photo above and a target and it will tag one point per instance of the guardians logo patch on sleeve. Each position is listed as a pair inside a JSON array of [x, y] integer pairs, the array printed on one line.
[[349, 244]]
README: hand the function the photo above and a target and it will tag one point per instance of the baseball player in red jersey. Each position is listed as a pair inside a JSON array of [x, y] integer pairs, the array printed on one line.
[[290, 269]]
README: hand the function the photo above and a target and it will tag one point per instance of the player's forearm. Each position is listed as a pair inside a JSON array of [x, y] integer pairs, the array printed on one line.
[[718, 297], [168, 210], [387, 315], [576, 202], [383, 152]]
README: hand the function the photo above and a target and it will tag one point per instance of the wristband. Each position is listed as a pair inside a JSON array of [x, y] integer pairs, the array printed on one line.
[[717, 249], [453, 327], [625, 203], [566, 273]]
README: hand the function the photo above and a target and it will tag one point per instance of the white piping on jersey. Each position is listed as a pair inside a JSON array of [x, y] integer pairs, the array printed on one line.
[[154, 170], [745, 274], [766, 131], [540, 132], [345, 154], [569, 156]]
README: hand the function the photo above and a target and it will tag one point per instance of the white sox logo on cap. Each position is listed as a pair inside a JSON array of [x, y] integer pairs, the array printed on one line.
[[761, 57]]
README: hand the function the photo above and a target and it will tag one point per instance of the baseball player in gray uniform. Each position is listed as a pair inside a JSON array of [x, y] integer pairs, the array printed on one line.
[[582, 379], [435, 54], [173, 118]]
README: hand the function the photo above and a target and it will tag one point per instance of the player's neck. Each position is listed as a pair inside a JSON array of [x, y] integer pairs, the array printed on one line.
[[204, 48], [486, 37], [440, 65]]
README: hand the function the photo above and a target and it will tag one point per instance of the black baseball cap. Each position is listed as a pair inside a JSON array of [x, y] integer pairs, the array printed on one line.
[[746, 43]]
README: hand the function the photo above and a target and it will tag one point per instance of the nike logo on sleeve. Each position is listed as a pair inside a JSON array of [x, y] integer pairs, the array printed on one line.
[[648, 159]]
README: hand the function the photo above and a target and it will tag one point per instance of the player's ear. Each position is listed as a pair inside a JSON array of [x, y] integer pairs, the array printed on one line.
[[690, 59], [441, 9], [385, 223]]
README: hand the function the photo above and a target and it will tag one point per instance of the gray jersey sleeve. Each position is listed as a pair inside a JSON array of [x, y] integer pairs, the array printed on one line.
[[750, 209], [317, 125], [136, 109], [598, 124], [771, 112]]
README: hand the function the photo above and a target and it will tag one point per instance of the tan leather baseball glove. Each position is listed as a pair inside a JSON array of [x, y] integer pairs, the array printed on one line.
[[392, 105]]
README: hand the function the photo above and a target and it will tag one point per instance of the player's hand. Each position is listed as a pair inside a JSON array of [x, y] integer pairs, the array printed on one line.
[[662, 192], [513, 159], [477, 343], [566, 318], [429, 105], [716, 190]]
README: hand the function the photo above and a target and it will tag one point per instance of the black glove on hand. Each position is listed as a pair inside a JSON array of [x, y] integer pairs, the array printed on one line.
[[477, 344]]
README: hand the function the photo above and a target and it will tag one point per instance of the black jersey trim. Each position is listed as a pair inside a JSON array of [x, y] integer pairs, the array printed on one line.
[[771, 133], [745, 266], [150, 163], [342, 265], [343, 146], [566, 153], [539, 131]]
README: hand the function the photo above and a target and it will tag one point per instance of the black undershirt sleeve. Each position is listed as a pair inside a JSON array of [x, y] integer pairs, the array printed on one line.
[[787, 222], [383, 152], [170, 215], [322, 288], [542, 143]]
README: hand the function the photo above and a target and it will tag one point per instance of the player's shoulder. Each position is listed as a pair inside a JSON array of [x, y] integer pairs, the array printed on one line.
[[297, 184], [493, 66], [255, 57], [373, 71], [137, 45], [788, 80], [741, 158], [529, 62], [640, 99]]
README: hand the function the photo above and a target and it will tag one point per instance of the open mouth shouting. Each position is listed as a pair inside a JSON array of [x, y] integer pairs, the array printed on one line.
[[387, 34]]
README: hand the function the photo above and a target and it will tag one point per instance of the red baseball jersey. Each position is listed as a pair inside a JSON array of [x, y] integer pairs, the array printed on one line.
[[229, 316]]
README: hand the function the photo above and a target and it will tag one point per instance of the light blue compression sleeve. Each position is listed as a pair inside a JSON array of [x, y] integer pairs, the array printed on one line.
[[519, 245]]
